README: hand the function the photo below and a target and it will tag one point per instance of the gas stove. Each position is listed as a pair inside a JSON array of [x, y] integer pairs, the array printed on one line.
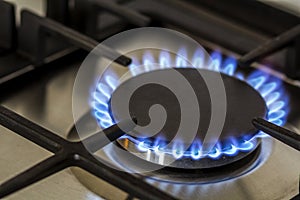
[[123, 100]]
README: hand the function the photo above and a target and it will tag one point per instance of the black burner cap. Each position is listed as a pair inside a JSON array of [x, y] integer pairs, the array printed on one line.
[[243, 103]]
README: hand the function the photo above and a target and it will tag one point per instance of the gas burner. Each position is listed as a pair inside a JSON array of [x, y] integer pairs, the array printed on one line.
[[255, 95]]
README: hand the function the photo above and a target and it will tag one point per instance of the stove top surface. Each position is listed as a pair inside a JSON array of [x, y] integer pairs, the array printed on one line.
[[43, 95]]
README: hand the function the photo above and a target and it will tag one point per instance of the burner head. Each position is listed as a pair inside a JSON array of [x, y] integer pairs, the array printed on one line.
[[243, 104]]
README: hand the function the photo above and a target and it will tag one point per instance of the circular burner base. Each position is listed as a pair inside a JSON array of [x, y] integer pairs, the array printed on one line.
[[192, 174]]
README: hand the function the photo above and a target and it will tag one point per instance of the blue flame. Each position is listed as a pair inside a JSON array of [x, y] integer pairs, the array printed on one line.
[[269, 88], [216, 62], [198, 59], [148, 61], [181, 58], [164, 59]]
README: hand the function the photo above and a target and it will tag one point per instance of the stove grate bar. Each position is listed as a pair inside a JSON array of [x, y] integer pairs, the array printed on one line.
[[68, 154], [30, 131], [286, 136], [36, 173], [123, 12], [271, 46]]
